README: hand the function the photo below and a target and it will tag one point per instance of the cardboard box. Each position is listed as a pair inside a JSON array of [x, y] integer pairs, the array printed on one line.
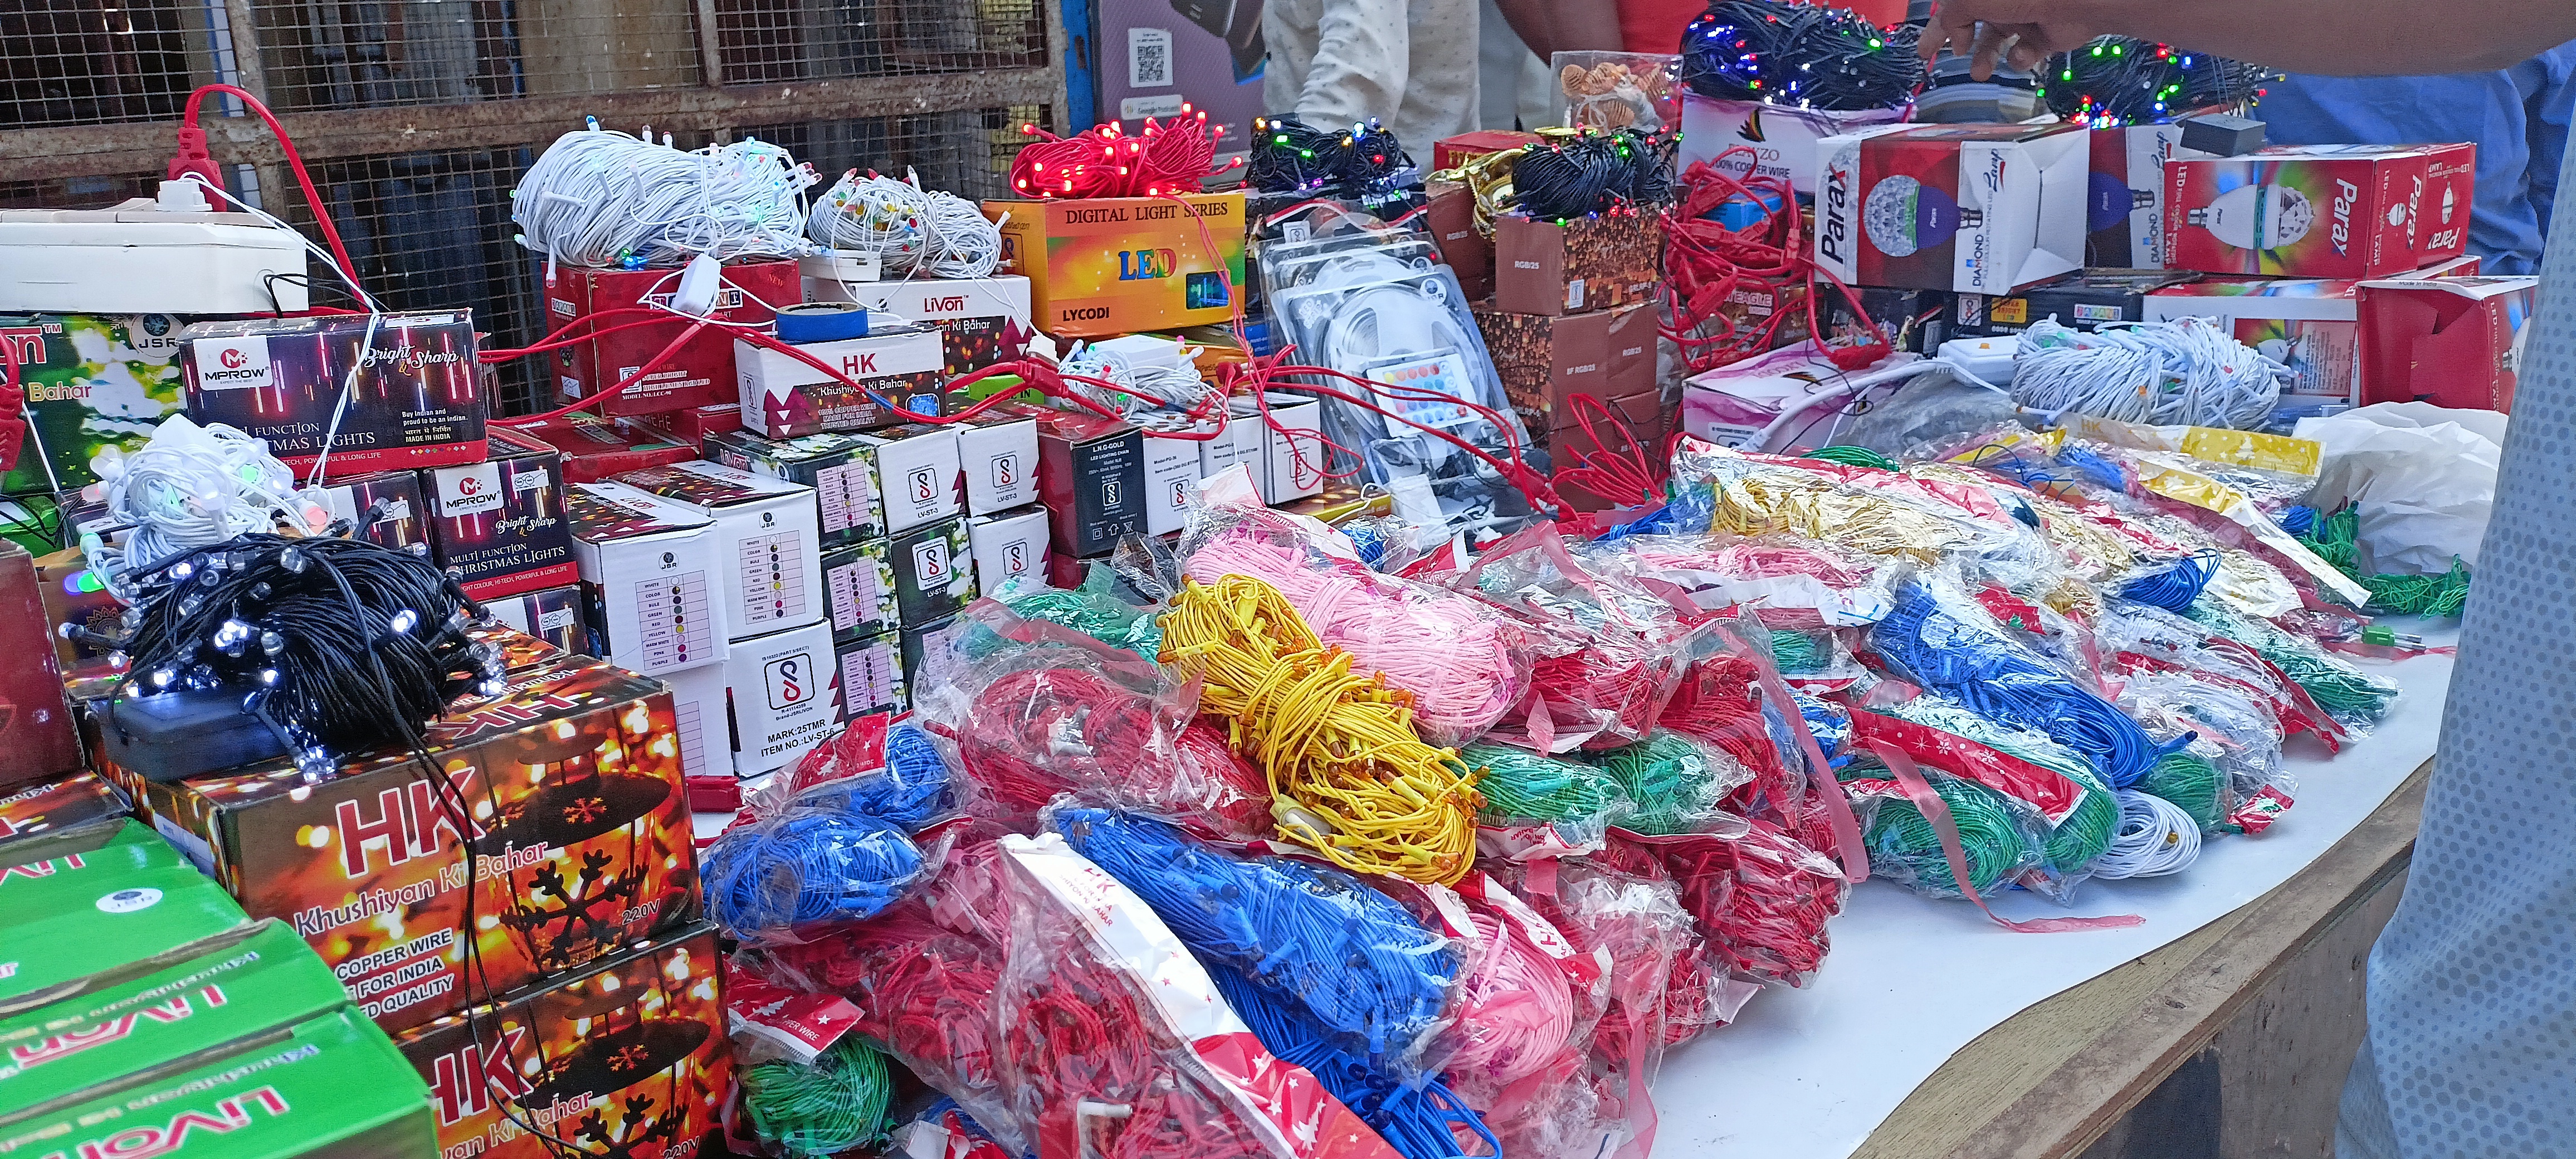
[[1451, 218], [1545, 360], [700, 373], [651, 576], [858, 589], [934, 573], [418, 402], [767, 532], [571, 774], [1245, 441], [919, 665], [594, 449], [2320, 211], [999, 455], [693, 425], [519, 650], [1294, 455], [919, 474], [1103, 267], [1091, 471], [553, 615], [702, 719], [1449, 152], [38, 740], [2452, 342], [1981, 208], [2124, 204], [1546, 267], [2082, 301], [93, 381], [401, 523], [782, 397], [1008, 546], [872, 675], [842, 470], [499, 525], [1916, 321], [786, 694], [52, 806], [1171, 467], [981, 321], [330, 1085], [96, 897], [1778, 141], [630, 1051]]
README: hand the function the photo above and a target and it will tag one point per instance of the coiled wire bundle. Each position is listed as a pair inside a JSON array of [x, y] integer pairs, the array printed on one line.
[[819, 1109], [1420, 1123], [1520, 785], [2156, 838], [907, 227], [1807, 55], [598, 197], [2187, 372]]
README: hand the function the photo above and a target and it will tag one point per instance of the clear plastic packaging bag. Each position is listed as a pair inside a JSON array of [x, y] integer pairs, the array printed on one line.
[[2002, 838], [805, 867], [1792, 584], [1090, 609], [1522, 788], [2080, 814], [1619, 90], [1675, 784], [1761, 897], [1613, 654], [1759, 497], [2357, 700]]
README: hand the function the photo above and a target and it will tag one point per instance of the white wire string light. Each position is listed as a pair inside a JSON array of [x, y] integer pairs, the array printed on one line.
[[1142, 387], [603, 198], [2156, 838], [963, 242], [2188, 372], [873, 214], [188, 488]]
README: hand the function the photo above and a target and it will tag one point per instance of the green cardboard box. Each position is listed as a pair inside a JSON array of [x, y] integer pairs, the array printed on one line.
[[94, 898]]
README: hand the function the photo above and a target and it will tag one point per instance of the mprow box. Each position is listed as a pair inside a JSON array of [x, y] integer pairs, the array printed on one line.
[[415, 391]]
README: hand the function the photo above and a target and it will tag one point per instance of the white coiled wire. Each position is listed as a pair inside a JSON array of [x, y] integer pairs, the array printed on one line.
[[603, 198], [910, 229], [189, 487], [963, 242], [1177, 387], [2187, 372], [2156, 837]]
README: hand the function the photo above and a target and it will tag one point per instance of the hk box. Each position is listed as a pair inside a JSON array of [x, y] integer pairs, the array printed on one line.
[[872, 675], [859, 590], [2084, 301], [767, 533], [1007, 547], [840, 468], [1102, 267], [386, 509], [1593, 263], [553, 615], [629, 1055], [93, 381], [783, 397], [1091, 471], [98, 897], [1986, 209], [2452, 342], [981, 321], [416, 402], [51, 806], [934, 575], [595, 449], [1545, 360], [786, 695], [2320, 211], [499, 525], [700, 373], [572, 782], [650, 576]]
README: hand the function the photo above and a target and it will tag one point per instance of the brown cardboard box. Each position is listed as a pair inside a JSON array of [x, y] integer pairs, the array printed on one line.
[[1545, 360], [1448, 152], [1451, 216], [1645, 415], [1541, 267]]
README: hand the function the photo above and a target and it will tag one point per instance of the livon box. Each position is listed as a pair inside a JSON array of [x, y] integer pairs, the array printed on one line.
[[1545, 360], [1102, 267], [841, 469], [594, 450], [570, 781], [783, 397], [96, 897], [981, 321], [629, 1054], [934, 575], [93, 381], [651, 576], [1544, 267], [859, 589], [700, 373], [499, 525], [786, 693], [2320, 211], [1092, 472], [1975, 208], [553, 615], [766, 534], [2452, 342], [417, 402]]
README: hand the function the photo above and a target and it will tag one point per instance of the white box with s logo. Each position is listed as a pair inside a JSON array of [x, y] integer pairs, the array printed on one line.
[[786, 693]]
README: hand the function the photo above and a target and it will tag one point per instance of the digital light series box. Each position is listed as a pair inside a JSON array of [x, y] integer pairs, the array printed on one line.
[[626, 1057], [1984, 209], [2320, 211], [700, 373], [1102, 267], [416, 399], [569, 786], [93, 381]]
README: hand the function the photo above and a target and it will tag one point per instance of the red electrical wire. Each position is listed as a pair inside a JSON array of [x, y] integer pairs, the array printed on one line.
[[1705, 263], [1628, 477], [1170, 157], [193, 157]]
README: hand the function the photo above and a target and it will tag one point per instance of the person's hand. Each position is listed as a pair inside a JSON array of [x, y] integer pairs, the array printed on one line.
[[2021, 32]]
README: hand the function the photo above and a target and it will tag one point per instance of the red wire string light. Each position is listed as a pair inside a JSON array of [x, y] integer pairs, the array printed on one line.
[[1169, 157]]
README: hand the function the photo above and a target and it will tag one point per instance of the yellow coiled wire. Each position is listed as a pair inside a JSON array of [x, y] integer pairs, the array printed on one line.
[[1351, 778]]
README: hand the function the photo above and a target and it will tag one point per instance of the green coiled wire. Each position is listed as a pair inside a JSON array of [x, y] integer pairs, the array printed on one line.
[[2336, 540], [1903, 845], [2086, 830], [2192, 783], [1850, 456], [1668, 780], [1520, 785], [1093, 614], [835, 1104], [2347, 693], [1797, 651]]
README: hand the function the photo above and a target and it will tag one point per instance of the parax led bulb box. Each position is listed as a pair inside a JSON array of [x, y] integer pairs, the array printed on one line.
[[2124, 195], [1974, 208], [2452, 342], [1102, 267], [2320, 211]]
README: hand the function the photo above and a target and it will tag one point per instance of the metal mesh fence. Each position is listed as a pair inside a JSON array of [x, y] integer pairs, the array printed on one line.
[[318, 54], [766, 41], [967, 153], [91, 62]]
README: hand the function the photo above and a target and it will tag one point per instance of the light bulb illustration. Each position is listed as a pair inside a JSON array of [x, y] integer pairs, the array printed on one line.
[[1902, 215], [2108, 201], [2257, 216]]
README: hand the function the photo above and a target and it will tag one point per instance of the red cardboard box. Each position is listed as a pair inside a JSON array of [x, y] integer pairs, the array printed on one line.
[[595, 449], [700, 373], [692, 426], [2320, 211], [1447, 152], [56, 805], [1981, 209], [2447, 341], [572, 775], [37, 738]]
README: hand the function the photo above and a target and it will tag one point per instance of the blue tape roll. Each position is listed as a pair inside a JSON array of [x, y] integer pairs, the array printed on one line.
[[822, 322]]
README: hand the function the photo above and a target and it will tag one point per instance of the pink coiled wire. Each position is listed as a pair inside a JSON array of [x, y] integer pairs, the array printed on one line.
[[1515, 1010]]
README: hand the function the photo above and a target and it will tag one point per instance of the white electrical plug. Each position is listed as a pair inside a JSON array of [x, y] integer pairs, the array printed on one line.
[[183, 197], [699, 285]]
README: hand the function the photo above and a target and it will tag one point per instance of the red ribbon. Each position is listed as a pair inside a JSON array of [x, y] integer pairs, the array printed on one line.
[[1918, 790]]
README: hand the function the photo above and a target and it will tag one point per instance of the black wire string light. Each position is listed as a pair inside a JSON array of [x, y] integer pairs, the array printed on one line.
[[1805, 55], [2119, 80], [1594, 172], [340, 646], [1291, 156]]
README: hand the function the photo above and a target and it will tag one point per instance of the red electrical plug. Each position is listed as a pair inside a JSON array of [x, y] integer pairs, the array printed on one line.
[[192, 157]]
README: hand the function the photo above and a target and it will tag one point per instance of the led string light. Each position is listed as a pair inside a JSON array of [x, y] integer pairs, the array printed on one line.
[[1632, 475], [819, 1109], [598, 197], [2119, 80], [1707, 264], [1291, 156], [1807, 55], [1170, 157], [1515, 1010], [873, 214], [807, 865], [1520, 785], [1594, 173]]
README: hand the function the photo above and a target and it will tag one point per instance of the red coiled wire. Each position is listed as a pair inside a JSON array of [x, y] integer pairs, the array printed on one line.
[[1169, 157], [1706, 263]]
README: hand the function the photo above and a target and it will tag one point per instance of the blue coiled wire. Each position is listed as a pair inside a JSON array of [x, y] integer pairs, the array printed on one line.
[[2175, 587], [808, 865], [1414, 1121], [1829, 723], [1998, 681], [2101, 471], [2299, 521], [1353, 958]]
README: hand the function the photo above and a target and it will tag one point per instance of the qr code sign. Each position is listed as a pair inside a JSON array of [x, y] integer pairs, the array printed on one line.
[[1149, 58]]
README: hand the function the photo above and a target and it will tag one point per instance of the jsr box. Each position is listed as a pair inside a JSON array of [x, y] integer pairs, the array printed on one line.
[[842, 470], [981, 321], [2452, 342], [568, 783], [93, 381], [2320, 211], [1549, 267], [1975, 208], [416, 401], [75, 800], [700, 373], [499, 525], [783, 397], [859, 588], [786, 693], [766, 536], [594, 450], [651, 577], [1103, 267], [553, 615], [97, 897], [629, 1055]]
